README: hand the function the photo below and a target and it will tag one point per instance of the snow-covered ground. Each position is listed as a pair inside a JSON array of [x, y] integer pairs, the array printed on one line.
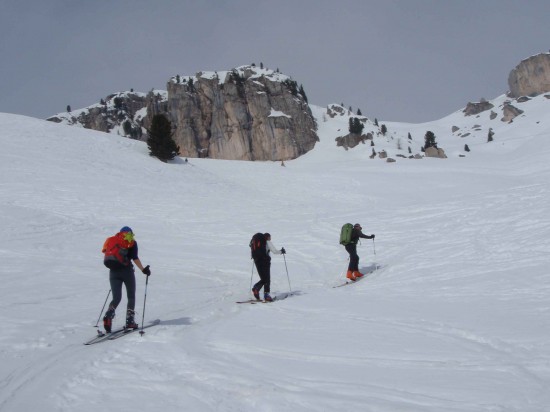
[[457, 317]]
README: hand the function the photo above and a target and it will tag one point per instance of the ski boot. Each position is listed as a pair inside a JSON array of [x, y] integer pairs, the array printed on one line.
[[267, 297], [108, 319], [130, 324], [351, 276], [256, 293], [358, 274]]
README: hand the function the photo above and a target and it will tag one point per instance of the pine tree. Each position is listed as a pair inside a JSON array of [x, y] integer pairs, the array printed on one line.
[[358, 126], [466, 148], [359, 112], [355, 125], [490, 135], [160, 142], [383, 129], [68, 108], [429, 140]]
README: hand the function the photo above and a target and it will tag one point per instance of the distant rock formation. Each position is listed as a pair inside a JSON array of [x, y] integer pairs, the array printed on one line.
[[531, 77], [121, 113], [476, 108], [247, 113], [510, 112], [351, 140], [435, 152]]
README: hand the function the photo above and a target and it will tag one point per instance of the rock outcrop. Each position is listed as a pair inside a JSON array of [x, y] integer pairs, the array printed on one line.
[[435, 152], [247, 113], [510, 112], [351, 140], [244, 114], [531, 77], [476, 108], [121, 113]]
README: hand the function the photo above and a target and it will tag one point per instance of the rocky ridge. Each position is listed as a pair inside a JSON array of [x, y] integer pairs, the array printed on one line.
[[248, 113], [252, 113]]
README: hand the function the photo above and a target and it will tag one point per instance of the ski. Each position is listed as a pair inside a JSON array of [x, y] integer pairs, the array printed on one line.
[[101, 336], [280, 296], [125, 332], [367, 272], [350, 282], [117, 333]]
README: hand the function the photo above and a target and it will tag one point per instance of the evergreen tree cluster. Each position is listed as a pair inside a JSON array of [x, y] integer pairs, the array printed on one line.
[[355, 125], [160, 142]]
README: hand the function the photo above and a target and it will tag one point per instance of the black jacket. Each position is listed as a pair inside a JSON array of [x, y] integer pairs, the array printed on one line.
[[356, 234]]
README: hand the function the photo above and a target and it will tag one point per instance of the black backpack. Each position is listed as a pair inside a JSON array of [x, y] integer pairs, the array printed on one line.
[[257, 245]]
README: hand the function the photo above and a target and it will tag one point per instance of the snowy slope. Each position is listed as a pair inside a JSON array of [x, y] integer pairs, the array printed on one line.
[[455, 319]]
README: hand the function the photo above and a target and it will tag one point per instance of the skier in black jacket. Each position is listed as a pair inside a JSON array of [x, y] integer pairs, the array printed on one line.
[[262, 260], [351, 248]]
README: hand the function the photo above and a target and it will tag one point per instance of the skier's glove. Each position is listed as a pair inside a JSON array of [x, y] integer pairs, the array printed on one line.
[[283, 251], [146, 271], [373, 236]]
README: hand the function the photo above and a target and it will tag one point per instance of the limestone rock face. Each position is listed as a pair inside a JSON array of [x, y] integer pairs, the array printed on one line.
[[244, 114], [531, 77]]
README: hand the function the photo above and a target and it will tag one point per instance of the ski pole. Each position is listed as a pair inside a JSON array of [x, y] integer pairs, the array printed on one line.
[[141, 332], [102, 309], [288, 277], [346, 268], [374, 249]]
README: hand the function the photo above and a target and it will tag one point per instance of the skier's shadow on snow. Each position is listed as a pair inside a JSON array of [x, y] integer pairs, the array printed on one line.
[[370, 268], [176, 322]]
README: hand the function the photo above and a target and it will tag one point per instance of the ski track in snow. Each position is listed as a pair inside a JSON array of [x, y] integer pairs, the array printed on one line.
[[454, 319]]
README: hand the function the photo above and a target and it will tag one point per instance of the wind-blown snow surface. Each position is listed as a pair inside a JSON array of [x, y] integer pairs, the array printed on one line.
[[457, 318]]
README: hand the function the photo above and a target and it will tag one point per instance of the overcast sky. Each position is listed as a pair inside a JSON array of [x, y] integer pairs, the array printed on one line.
[[396, 60]]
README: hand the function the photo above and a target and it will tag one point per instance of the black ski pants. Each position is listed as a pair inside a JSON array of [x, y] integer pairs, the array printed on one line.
[[353, 257], [263, 266], [119, 277]]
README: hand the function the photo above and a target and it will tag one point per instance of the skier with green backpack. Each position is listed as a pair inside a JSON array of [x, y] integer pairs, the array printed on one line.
[[349, 236]]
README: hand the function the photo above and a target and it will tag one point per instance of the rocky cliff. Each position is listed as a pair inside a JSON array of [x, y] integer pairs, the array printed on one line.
[[531, 77], [247, 113]]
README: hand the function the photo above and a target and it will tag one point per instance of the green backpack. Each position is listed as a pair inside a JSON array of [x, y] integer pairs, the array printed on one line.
[[345, 234]]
